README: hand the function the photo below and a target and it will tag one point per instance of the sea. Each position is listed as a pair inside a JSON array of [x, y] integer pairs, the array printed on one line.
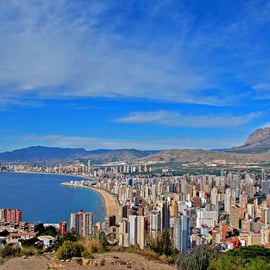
[[42, 198]]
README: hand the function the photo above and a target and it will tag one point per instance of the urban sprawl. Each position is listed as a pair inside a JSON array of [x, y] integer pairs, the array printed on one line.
[[228, 210]]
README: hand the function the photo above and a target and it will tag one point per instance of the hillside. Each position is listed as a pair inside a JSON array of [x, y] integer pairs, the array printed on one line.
[[205, 156]]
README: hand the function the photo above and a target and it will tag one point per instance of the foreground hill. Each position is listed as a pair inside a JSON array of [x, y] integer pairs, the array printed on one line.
[[112, 261], [53, 154]]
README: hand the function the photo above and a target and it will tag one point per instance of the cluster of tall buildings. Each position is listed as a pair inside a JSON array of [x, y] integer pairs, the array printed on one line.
[[10, 215], [225, 210], [193, 209]]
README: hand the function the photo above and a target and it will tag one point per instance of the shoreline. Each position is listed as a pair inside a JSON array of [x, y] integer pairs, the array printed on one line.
[[110, 202]]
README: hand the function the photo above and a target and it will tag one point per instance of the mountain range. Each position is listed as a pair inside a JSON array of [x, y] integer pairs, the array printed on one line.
[[56, 154], [255, 149]]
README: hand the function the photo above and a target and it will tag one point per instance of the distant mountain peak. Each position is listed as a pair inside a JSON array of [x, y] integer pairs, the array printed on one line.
[[258, 135], [257, 142]]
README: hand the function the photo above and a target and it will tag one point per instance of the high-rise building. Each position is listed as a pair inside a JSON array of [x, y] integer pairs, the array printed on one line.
[[155, 223], [89, 166], [140, 231], [243, 201], [12, 215], [235, 216], [227, 201], [82, 223], [182, 233], [123, 233], [265, 187], [132, 229], [223, 229], [2, 214], [63, 227], [164, 209]]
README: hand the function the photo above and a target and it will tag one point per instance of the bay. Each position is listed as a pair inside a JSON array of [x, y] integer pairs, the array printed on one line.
[[42, 198]]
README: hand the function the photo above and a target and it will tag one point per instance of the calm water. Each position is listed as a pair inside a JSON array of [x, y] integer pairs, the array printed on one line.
[[42, 198]]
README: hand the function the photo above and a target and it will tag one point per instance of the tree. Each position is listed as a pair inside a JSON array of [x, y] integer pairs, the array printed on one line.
[[40, 228], [69, 237], [162, 244], [167, 246], [257, 264], [197, 258], [224, 262], [251, 257], [50, 230], [29, 242], [4, 233], [247, 254]]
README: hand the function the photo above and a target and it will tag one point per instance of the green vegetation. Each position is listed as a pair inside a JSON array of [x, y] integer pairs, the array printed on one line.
[[162, 244], [252, 257], [29, 242], [50, 230], [10, 251], [80, 248], [223, 263], [197, 258], [244, 258], [68, 237], [226, 262], [69, 249], [4, 233]]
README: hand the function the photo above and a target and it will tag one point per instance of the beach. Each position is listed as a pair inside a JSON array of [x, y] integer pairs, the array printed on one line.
[[110, 201]]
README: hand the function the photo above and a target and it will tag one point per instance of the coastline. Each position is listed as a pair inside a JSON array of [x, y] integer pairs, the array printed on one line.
[[110, 202], [55, 202]]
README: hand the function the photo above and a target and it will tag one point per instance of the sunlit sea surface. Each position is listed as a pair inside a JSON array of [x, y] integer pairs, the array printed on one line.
[[42, 198]]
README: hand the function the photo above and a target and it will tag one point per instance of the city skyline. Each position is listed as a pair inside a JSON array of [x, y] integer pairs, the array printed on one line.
[[137, 74]]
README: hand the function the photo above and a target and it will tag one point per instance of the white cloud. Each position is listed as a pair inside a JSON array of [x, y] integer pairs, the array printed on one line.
[[84, 49], [60, 49], [262, 87], [175, 119]]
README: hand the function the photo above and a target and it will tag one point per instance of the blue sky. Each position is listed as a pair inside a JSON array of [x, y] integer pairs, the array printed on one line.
[[139, 74]]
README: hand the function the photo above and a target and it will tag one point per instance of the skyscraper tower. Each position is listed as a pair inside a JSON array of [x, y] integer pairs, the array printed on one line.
[[82, 223], [182, 233], [89, 166]]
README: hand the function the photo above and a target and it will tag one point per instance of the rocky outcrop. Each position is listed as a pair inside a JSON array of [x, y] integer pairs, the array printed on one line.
[[257, 142]]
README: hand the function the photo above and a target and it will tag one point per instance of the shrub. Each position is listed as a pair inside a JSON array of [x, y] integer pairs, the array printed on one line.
[[10, 251], [69, 249]]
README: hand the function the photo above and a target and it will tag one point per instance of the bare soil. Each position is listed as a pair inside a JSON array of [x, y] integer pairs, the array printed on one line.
[[110, 261]]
